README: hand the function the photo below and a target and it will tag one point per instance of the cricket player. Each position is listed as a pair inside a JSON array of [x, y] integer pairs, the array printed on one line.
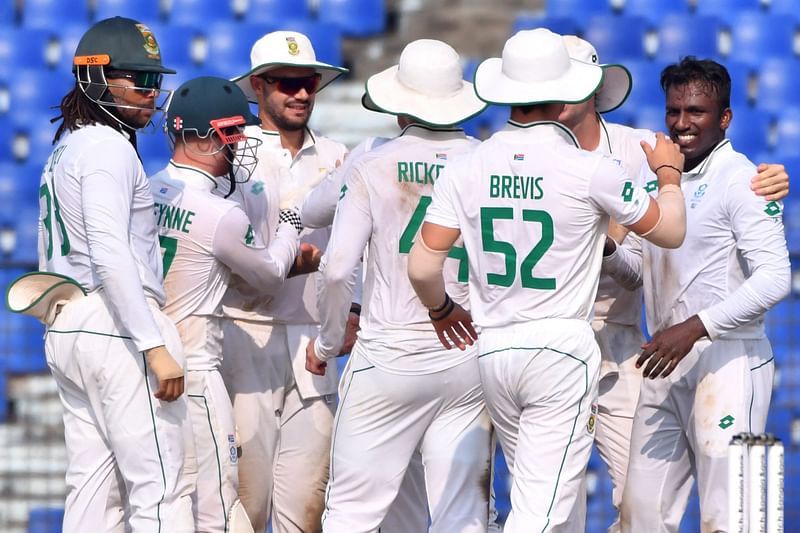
[[116, 357], [206, 240], [709, 367], [617, 310], [284, 414], [533, 209], [401, 391]]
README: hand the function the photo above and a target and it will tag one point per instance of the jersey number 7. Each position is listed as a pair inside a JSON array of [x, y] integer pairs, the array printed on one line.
[[412, 228]]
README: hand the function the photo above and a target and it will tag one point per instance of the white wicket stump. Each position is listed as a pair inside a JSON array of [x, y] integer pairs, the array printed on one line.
[[755, 484]]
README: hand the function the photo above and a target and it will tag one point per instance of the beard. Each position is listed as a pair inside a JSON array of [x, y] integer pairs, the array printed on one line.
[[289, 124]]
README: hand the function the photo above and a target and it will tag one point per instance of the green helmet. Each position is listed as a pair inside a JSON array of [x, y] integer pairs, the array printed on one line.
[[121, 44], [214, 108]]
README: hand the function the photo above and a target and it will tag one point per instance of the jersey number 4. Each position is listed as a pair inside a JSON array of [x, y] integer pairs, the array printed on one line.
[[492, 245], [412, 228]]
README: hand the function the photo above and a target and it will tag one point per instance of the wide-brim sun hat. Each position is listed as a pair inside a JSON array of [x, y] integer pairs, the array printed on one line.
[[536, 68], [427, 84], [617, 80], [40, 293], [285, 49]]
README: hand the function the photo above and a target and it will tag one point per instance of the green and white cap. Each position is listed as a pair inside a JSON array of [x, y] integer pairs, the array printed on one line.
[[617, 81], [285, 49]]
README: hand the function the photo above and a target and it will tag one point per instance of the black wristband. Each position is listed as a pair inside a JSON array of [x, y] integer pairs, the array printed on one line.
[[444, 311], [441, 307], [355, 308], [676, 169]]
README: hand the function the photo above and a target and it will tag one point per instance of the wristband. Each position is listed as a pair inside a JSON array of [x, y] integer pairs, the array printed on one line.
[[441, 307], [676, 169], [443, 311], [355, 308]]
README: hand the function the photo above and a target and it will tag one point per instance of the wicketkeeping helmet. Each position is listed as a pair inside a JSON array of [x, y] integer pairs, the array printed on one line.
[[215, 109], [113, 48]]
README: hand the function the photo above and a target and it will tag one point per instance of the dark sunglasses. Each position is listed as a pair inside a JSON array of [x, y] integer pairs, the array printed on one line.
[[292, 86], [143, 81]]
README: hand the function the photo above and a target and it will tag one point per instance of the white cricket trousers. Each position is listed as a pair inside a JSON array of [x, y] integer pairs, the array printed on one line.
[[682, 428], [123, 445], [382, 420], [216, 448], [285, 439], [540, 384]]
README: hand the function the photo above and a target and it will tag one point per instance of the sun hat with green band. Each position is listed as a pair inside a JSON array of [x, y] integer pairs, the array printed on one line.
[[616, 78], [427, 84], [41, 294], [536, 68], [285, 49]]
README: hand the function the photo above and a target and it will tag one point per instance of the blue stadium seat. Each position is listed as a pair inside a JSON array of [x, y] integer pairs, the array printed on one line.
[[646, 90], [560, 25], [755, 36], [274, 11], [19, 186], [154, 150], [726, 8], [325, 37], [45, 520], [68, 37], [624, 115], [3, 396], [36, 93], [197, 12], [23, 47], [741, 76], [25, 251], [32, 140], [778, 80], [655, 10], [749, 131], [572, 8], [356, 18], [681, 35], [229, 44], [51, 14], [787, 138], [785, 7], [780, 420], [650, 118], [145, 11], [180, 44], [616, 37]]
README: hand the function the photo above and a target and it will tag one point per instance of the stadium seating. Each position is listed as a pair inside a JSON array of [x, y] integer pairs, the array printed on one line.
[[778, 80], [570, 8], [180, 44], [272, 12], [787, 132], [726, 8], [646, 90], [617, 38], [562, 25], [786, 7], [650, 118], [51, 14], [22, 47], [67, 38], [19, 187], [355, 18], [145, 11], [34, 93], [655, 10], [755, 36], [230, 44], [749, 130], [45, 520], [680, 35], [197, 12]]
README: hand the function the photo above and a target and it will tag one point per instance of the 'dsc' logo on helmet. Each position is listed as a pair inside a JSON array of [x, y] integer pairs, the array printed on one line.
[[294, 49], [150, 44]]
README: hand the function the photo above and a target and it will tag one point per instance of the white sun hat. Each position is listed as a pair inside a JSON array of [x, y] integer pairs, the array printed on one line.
[[427, 85], [536, 69], [285, 49], [616, 78], [41, 294]]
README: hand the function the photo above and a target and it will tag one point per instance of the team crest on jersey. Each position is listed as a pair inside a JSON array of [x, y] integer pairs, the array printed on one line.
[[177, 123], [257, 187], [441, 156], [519, 157], [773, 209], [294, 48], [590, 425], [698, 195], [150, 44]]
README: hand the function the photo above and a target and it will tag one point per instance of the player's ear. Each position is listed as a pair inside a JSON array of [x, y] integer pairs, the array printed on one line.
[[725, 119]]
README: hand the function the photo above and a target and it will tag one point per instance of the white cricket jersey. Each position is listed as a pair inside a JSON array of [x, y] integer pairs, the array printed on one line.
[[295, 301], [533, 210], [621, 143], [96, 225], [384, 201], [733, 264], [204, 238]]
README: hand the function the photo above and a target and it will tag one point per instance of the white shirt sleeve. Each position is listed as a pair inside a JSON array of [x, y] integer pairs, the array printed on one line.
[[625, 264], [106, 192], [612, 191], [264, 269], [351, 231], [758, 229], [442, 210]]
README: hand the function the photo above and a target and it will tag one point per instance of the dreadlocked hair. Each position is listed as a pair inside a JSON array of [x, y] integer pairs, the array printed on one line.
[[77, 110]]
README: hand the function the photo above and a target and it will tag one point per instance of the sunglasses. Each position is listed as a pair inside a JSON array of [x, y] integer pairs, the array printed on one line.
[[292, 86], [143, 81]]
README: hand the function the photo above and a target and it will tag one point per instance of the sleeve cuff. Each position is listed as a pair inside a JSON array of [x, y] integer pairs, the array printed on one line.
[[320, 352], [713, 333]]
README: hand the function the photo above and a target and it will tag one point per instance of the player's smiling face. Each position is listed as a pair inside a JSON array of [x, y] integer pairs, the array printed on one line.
[[286, 111], [694, 120]]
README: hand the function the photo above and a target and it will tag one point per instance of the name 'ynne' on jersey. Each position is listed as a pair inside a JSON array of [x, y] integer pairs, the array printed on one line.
[[522, 187]]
